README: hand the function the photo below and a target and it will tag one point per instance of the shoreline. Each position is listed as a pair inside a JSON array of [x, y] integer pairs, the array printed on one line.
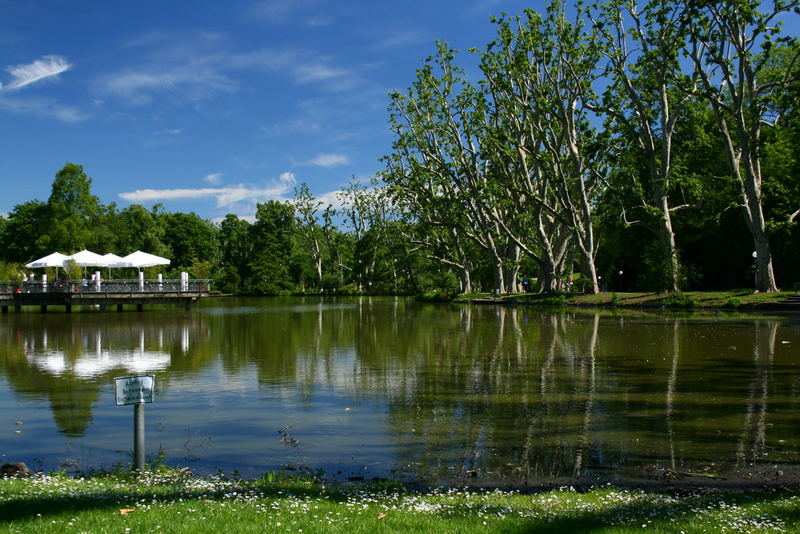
[[712, 301]]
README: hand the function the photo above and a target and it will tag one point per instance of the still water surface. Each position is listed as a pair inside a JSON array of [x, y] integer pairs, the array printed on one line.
[[384, 387]]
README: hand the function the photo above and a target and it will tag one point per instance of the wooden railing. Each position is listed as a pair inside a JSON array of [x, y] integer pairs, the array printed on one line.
[[107, 286]]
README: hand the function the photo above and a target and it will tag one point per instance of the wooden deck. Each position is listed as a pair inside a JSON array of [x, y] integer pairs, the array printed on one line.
[[119, 295]]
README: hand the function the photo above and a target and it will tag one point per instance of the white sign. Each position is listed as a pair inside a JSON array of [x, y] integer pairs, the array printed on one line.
[[134, 389]]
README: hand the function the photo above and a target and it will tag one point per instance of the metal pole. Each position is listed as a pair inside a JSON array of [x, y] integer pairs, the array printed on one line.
[[138, 436]]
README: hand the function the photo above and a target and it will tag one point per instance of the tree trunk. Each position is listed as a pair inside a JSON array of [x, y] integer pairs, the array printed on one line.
[[669, 250], [499, 279], [464, 280]]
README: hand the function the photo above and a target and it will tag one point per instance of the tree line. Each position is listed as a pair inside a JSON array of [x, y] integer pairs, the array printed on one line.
[[608, 146], [610, 138], [294, 246]]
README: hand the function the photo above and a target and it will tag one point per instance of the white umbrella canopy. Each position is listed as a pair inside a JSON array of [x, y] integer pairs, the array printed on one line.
[[56, 259], [141, 259], [114, 261], [87, 258]]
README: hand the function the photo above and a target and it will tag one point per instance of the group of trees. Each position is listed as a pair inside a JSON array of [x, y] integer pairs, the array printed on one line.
[[589, 121], [289, 247], [613, 145]]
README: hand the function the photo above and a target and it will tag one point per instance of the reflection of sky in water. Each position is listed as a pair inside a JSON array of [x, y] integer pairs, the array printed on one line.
[[93, 360], [92, 365]]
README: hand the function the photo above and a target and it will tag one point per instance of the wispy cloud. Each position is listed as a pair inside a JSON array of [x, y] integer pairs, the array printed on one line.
[[214, 178], [280, 189], [191, 81], [306, 12], [30, 73], [195, 66], [401, 38], [46, 67], [328, 160], [42, 107]]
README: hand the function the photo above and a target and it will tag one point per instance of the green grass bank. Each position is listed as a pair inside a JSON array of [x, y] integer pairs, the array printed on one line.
[[171, 501], [744, 299]]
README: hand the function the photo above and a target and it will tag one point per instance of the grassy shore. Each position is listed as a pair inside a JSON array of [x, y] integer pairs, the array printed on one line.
[[743, 299], [174, 501]]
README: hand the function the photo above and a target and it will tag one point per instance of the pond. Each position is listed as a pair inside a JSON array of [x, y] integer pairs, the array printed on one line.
[[390, 388]]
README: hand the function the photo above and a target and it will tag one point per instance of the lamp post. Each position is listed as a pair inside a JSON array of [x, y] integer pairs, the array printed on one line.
[[620, 280], [755, 270]]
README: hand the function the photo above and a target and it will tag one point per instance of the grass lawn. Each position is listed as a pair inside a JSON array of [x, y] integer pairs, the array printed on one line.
[[731, 299], [173, 501]]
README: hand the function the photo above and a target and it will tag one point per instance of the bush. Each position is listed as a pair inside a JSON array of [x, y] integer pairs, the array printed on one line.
[[732, 302], [677, 301], [435, 296]]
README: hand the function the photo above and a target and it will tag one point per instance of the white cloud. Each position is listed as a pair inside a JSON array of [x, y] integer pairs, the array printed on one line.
[[213, 178], [317, 72], [40, 69], [191, 81], [328, 160], [334, 198], [402, 38], [198, 65], [42, 107], [225, 196]]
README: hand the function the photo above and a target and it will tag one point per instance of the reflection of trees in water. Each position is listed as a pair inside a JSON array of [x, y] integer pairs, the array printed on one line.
[[68, 359], [512, 391], [672, 382], [546, 395], [752, 445], [517, 391]]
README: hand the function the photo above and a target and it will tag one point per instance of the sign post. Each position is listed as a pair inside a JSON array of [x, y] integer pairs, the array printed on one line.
[[136, 390]]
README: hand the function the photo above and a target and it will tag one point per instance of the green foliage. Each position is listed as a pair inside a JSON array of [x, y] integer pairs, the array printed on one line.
[[272, 234], [72, 270], [732, 302], [435, 296], [190, 237], [677, 301], [10, 271]]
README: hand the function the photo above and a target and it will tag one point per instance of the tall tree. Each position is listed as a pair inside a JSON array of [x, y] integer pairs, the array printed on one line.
[[646, 92], [71, 207], [139, 229], [307, 208], [24, 236], [438, 157], [191, 239], [539, 72], [272, 235], [731, 47]]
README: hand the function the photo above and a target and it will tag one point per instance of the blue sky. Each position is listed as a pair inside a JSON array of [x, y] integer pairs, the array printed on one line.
[[211, 106]]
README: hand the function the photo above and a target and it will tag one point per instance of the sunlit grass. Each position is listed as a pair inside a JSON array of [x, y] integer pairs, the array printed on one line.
[[731, 299], [171, 501]]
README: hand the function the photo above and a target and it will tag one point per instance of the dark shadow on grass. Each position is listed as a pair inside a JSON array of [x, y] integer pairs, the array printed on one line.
[[23, 508], [638, 515]]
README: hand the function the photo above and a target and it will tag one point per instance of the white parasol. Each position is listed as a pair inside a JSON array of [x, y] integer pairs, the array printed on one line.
[[87, 258], [56, 259], [114, 262], [141, 259]]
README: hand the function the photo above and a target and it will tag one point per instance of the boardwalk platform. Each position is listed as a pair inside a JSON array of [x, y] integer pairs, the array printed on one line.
[[112, 293]]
